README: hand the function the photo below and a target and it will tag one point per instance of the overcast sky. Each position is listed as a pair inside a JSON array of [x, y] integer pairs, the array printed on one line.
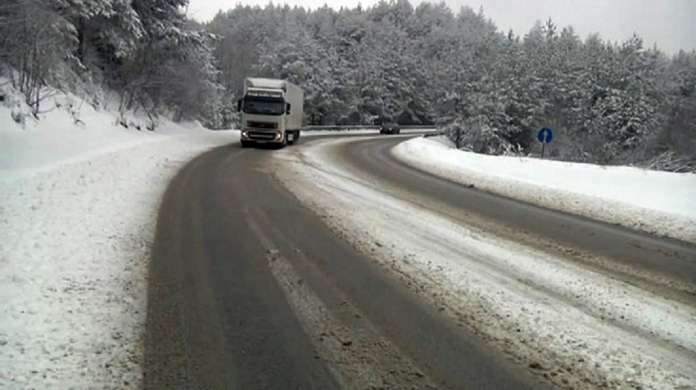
[[669, 23]]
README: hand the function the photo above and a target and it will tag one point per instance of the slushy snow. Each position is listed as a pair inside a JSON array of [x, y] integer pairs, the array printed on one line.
[[578, 327], [78, 208], [662, 203]]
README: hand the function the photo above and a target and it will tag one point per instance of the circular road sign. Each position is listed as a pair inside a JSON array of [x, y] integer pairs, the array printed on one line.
[[545, 135]]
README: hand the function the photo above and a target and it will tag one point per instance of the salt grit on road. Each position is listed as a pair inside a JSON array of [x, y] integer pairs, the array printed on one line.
[[78, 208], [569, 324], [662, 203]]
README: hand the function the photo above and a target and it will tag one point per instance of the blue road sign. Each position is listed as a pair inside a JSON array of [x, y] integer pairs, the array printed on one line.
[[545, 135]]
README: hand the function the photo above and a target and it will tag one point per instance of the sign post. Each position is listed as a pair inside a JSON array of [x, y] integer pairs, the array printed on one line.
[[545, 136]]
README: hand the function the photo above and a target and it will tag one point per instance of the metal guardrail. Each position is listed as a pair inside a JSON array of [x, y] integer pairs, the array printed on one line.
[[361, 127], [424, 127], [434, 134], [341, 127]]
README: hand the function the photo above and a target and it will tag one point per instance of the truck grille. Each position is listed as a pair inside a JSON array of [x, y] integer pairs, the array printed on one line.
[[262, 125], [261, 135]]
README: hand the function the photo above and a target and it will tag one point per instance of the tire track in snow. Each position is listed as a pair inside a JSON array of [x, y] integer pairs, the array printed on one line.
[[358, 356], [576, 327]]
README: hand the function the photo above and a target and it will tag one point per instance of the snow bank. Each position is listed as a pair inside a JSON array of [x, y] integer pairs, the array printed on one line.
[[662, 203], [70, 131], [78, 206]]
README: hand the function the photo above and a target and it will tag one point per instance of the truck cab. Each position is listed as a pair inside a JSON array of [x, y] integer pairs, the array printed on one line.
[[272, 112]]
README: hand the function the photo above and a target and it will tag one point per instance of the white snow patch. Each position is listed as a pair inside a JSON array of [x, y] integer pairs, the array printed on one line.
[[78, 208], [579, 325], [72, 131], [657, 202]]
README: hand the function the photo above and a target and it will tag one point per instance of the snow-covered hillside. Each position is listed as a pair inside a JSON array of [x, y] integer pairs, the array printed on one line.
[[78, 204], [657, 202]]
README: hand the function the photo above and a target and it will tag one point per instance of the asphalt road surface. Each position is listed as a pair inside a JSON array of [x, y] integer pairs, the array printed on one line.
[[233, 245], [611, 248]]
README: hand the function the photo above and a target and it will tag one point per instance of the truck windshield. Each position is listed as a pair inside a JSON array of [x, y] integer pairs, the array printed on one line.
[[267, 106]]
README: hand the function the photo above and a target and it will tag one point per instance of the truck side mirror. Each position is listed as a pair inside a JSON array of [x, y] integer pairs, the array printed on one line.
[[239, 105], [287, 108]]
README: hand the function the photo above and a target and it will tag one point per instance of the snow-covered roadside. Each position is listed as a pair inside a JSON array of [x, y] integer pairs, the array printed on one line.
[[71, 132], [574, 326], [662, 203], [78, 206]]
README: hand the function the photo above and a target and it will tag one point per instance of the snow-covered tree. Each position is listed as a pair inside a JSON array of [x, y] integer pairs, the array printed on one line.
[[607, 102], [36, 46]]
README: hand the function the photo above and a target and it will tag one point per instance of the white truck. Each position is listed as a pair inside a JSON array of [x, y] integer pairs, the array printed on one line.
[[271, 112]]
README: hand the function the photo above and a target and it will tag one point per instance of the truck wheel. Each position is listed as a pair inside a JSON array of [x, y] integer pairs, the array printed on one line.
[[284, 142], [245, 144], [295, 137]]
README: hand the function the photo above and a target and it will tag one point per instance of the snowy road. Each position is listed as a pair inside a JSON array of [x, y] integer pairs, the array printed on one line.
[[644, 259], [332, 265]]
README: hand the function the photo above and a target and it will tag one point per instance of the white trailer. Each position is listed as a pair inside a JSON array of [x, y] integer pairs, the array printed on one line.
[[272, 111]]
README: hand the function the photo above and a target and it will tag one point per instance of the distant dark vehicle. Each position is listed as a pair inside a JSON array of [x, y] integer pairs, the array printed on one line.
[[390, 128]]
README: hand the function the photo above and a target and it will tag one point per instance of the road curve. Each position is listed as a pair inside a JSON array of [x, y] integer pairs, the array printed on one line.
[[664, 265], [237, 257]]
